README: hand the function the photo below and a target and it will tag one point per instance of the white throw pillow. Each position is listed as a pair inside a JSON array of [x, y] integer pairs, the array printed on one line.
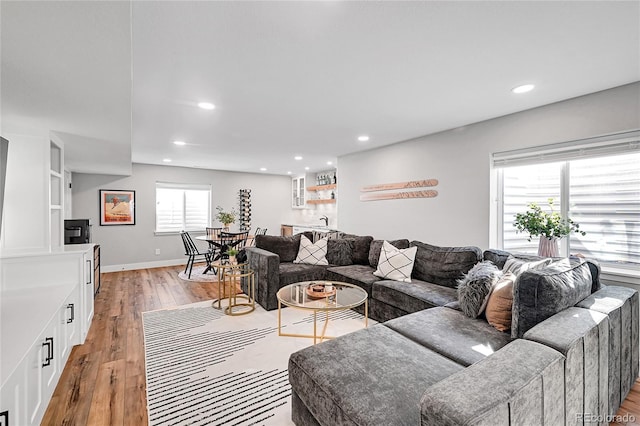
[[312, 253], [394, 263]]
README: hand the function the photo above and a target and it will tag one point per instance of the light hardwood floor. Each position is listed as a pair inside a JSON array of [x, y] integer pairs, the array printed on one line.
[[103, 382]]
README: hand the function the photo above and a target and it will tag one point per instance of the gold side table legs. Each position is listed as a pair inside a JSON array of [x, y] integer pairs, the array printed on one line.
[[228, 277]]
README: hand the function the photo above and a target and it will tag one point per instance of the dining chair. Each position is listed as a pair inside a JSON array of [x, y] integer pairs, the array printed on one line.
[[193, 252], [214, 234], [229, 240], [259, 231]]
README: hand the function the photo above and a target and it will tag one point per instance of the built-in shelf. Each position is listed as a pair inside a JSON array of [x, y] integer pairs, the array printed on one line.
[[329, 201], [322, 187]]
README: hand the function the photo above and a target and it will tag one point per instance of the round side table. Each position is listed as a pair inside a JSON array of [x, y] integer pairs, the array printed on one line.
[[229, 275]]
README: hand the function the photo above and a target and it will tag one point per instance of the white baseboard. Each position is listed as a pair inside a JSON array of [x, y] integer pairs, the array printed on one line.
[[143, 265]]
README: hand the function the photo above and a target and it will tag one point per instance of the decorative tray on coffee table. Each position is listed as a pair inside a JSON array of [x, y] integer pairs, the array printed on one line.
[[318, 291]]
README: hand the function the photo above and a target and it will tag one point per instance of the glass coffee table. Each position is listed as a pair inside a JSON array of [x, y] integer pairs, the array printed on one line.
[[320, 296]]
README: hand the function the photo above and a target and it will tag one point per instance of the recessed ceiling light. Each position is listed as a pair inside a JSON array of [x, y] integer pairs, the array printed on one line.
[[329, 163], [206, 105], [523, 89], [263, 169], [306, 168], [363, 138], [179, 143], [298, 157], [166, 160], [288, 173]]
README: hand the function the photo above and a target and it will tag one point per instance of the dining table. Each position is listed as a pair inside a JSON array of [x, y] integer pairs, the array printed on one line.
[[221, 243]]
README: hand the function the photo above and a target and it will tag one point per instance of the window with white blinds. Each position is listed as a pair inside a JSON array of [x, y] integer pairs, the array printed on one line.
[[597, 185], [182, 207]]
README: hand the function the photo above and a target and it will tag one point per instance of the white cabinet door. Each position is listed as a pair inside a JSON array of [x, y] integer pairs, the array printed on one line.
[[12, 410], [298, 192], [33, 391], [51, 365], [86, 295], [69, 322]]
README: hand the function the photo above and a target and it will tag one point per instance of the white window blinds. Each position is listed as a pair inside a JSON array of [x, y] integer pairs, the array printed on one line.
[[182, 207], [595, 182]]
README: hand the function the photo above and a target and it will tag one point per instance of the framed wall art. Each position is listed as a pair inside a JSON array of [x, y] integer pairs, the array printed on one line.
[[117, 207]]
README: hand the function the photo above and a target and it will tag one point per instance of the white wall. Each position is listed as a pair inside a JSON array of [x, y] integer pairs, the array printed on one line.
[[25, 225], [129, 247], [460, 160]]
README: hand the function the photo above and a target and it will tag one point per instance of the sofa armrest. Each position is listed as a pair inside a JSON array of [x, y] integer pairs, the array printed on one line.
[[266, 269], [582, 336], [522, 383]]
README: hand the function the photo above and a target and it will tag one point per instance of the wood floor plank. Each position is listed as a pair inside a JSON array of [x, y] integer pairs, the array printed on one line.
[[135, 406], [108, 398], [104, 383]]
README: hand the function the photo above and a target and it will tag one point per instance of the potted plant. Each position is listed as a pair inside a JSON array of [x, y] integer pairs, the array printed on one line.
[[549, 226], [232, 253], [226, 218]]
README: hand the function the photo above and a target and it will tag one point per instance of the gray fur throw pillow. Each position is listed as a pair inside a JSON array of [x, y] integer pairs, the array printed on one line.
[[474, 288]]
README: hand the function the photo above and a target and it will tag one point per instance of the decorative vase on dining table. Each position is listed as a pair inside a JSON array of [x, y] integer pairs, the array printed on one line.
[[226, 227], [548, 247]]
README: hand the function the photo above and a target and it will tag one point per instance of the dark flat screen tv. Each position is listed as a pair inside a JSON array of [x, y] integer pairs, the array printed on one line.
[[4, 150]]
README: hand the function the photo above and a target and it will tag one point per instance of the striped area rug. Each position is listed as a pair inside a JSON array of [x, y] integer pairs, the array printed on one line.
[[207, 368]]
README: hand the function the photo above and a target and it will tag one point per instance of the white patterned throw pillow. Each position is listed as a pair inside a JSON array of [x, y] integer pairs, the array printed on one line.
[[312, 253], [394, 263]]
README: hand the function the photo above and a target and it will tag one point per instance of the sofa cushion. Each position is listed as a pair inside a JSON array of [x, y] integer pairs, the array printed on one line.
[[541, 293], [394, 263], [295, 272], [312, 253], [499, 257], [340, 251], [373, 376], [521, 384], [413, 297], [361, 246], [285, 247], [360, 275], [376, 246], [443, 265], [475, 286], [500, 303], [451, 333]]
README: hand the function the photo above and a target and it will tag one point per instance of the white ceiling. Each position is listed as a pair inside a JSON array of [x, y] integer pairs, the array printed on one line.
[[119, 81]]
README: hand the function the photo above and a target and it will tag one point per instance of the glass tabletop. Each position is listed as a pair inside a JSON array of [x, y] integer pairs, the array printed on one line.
[[322, 295]]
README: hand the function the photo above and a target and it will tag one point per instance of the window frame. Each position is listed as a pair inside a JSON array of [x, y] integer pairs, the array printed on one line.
[[183, 187], [618, 143]]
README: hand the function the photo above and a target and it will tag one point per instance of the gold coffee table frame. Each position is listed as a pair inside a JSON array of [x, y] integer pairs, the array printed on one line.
[[346, 296], [228, 276]]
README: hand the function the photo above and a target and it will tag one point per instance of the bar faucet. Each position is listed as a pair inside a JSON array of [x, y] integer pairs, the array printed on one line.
[[326, 220]]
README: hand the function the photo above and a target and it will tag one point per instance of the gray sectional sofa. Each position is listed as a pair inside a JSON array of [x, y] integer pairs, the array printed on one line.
[[570, 357]]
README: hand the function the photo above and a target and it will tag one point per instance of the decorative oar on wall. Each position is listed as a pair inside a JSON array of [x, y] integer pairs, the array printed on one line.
[[397, 195]]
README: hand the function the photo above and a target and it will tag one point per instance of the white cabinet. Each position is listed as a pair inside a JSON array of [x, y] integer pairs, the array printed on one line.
[[69, 319], [298, 192], [42, 316], [87, 294]]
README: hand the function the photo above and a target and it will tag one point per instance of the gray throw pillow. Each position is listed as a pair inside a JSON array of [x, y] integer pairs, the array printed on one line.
[[444, 265], [361, 247], [474, 288], [285, 247], [340, 251]]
